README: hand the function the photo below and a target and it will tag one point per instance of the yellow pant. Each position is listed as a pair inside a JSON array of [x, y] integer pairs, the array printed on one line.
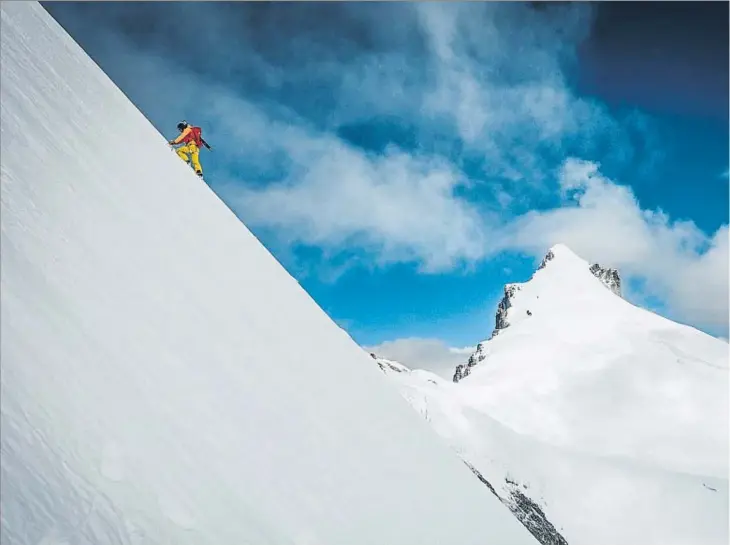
[[194, 152]]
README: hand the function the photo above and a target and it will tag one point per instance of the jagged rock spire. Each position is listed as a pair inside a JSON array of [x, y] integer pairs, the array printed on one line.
[[463, 369], [548, 257]]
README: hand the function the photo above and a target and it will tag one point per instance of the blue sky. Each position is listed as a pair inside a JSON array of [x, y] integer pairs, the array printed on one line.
[[404, 161]]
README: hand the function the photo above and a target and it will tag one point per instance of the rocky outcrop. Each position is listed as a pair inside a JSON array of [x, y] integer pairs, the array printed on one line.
[[609, 277], [548, 257], [481, 478], [463, 369], [500, 322], [504, 305], [532, 516], [525, 510]]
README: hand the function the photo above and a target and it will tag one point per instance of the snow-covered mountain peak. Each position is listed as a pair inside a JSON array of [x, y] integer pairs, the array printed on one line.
[[563, 259], [560, 262], [564, 289], [560, 253]]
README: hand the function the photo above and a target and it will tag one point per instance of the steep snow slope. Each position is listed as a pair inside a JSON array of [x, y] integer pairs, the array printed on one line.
[[150, 393], [611, 419]]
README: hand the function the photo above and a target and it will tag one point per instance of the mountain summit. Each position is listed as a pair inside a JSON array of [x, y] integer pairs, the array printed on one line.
[[564, 281]]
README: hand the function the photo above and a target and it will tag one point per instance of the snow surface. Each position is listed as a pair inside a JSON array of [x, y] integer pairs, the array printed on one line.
[[151, 392], [613, 419]]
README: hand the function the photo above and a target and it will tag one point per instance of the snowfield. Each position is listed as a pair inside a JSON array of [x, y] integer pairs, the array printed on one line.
[[164, 379], [610, 418]]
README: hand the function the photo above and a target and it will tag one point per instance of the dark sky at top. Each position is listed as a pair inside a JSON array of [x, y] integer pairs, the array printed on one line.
[[637, 48]]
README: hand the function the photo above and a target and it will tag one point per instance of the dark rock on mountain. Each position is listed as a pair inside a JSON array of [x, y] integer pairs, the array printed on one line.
[[608, 276], [525, 510], [532, 517], [463, 370]]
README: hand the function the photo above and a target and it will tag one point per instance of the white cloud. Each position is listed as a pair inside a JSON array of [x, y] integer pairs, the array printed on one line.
[[398, 207], [430, 354]]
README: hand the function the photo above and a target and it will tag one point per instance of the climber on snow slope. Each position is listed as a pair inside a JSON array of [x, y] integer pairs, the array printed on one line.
[[192, 139]]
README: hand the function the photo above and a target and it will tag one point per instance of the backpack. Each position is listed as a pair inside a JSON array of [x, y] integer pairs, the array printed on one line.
[[197, 135]]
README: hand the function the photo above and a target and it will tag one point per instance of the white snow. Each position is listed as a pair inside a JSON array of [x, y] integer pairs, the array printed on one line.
[[614, 418], [151, 392]]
